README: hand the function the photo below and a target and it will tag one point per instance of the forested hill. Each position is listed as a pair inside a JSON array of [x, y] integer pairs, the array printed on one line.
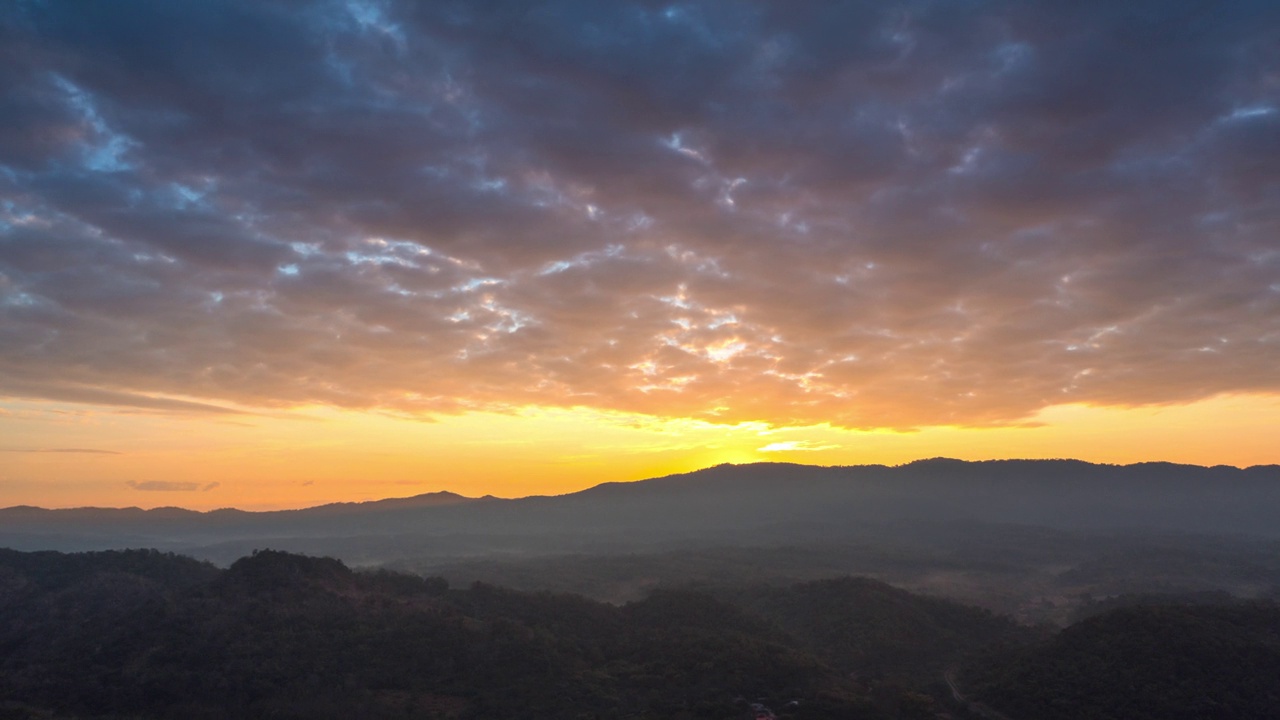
[[1144, 662], [865, 626], [143, 634]]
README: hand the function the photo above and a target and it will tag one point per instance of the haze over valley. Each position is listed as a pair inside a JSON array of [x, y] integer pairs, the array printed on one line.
[[1028, 538]]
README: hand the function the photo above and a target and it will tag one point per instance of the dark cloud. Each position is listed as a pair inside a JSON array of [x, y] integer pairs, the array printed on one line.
[[867, 213]]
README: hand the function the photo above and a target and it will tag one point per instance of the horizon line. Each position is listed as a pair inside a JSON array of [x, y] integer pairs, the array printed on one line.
[[467, 498]]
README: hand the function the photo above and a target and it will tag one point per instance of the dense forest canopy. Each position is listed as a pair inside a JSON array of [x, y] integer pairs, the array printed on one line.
[[146, 634]]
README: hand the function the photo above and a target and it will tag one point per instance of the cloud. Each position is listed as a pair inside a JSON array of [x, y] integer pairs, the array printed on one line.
[[794, 446], [867, 214], [170, 486], [87, 451]]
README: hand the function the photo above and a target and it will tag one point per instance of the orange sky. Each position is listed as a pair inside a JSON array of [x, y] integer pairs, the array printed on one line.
[[311, 456]]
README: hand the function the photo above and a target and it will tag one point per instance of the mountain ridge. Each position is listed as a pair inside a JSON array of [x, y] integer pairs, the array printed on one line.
[[449, 497], [769, 503]]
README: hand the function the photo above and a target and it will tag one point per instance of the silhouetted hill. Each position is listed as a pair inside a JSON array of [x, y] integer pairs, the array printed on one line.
[[54, 570]]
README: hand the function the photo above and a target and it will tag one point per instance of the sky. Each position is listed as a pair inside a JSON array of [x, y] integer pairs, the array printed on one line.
[[273, 253]]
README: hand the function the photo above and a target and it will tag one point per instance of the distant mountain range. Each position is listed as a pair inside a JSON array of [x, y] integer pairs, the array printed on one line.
[[759, 504]]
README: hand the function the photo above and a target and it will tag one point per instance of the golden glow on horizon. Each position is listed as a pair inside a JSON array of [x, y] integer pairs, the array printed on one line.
[[316, 455]]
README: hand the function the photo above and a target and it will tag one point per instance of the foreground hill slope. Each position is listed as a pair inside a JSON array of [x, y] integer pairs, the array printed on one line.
[[1144, 662], [143, 634]]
